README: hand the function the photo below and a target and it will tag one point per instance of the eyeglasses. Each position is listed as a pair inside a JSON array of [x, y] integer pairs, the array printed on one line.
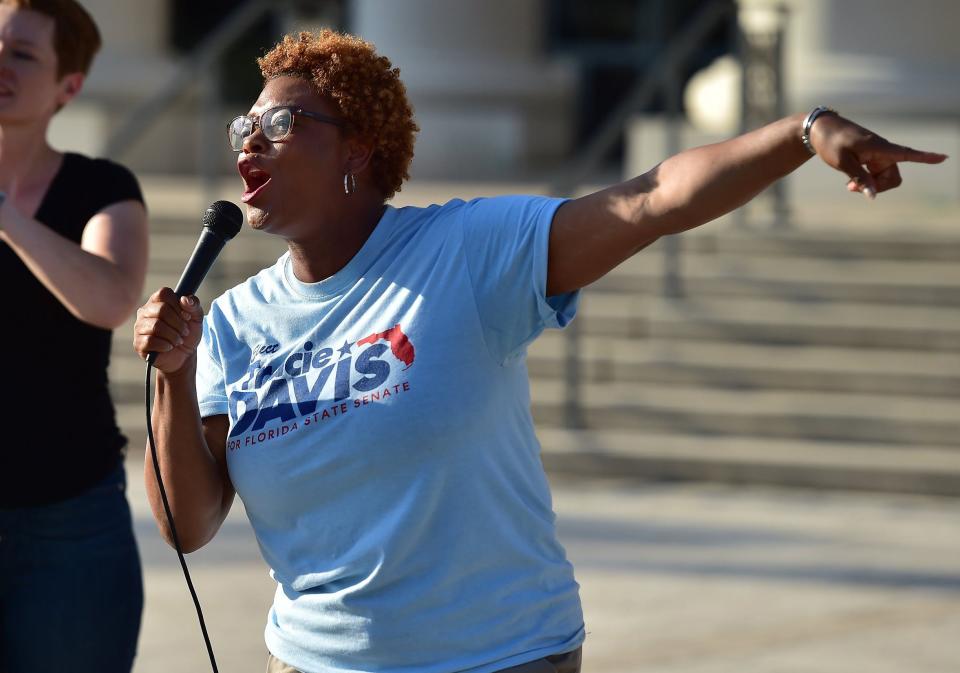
[[276, 124]]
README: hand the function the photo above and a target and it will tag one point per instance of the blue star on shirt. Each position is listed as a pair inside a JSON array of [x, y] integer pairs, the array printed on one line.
[[344, 350]]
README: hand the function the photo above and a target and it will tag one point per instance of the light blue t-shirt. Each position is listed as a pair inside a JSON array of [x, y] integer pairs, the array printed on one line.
[[382, 444]]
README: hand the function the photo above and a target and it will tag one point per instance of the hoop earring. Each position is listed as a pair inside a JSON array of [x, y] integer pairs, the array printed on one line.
[[349, 183]]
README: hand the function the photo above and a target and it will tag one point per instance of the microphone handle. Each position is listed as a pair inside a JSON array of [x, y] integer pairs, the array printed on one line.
[[204, 254]]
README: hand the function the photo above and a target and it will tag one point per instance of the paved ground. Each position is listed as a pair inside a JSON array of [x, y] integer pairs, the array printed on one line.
[[675, 579]]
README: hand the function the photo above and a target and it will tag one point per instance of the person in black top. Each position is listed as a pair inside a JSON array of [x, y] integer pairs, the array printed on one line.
[[73, 255]]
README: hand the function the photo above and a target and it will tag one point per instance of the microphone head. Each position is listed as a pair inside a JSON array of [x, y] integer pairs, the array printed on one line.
[[224, 219]]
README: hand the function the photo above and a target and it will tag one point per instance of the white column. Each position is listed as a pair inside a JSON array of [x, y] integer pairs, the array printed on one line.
[[135, 50], [874, 56], [488, 100], [132, 63]]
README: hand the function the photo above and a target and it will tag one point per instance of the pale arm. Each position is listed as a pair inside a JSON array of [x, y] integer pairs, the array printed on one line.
[[98, 281], [593, 234]]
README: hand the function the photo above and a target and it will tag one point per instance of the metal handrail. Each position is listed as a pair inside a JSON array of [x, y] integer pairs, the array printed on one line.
[[146, 113], [658, 75], [662, 74]]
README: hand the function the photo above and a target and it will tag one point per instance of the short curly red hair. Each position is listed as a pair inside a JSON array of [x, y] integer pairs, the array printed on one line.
[[366, 88]]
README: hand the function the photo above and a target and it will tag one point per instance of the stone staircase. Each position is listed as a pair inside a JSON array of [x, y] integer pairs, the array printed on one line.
[[811, 356], [801, 357]]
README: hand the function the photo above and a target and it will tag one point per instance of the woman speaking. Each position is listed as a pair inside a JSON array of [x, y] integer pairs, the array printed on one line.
[[367, 395]]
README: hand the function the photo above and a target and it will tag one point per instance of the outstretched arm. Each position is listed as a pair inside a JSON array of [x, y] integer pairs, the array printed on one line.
[[593, 234]]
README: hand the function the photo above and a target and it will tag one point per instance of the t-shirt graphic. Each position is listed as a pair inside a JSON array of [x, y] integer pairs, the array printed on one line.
[[399, 343], [310, 384]]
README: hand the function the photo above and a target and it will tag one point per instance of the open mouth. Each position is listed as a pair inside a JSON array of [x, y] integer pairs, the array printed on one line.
[[255, 181]]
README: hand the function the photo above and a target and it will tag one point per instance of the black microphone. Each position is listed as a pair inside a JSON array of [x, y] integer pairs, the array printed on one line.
[[221, 222]]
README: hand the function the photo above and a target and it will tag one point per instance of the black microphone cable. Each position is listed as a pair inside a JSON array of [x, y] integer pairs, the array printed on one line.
[[221, 222], [173, 528]]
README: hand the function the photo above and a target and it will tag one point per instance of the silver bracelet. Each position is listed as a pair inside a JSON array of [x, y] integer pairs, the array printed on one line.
[[808, 124]]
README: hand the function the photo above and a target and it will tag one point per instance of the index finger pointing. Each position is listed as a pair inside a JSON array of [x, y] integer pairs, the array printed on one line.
[[902, 153]]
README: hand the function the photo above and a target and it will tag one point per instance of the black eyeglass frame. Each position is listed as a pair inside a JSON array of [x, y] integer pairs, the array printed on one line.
[[294, 113]]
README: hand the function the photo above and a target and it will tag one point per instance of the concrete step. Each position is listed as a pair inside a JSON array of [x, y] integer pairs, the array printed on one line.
[[236, 266], [838, 243], [719, 364], [795, 278], [837, 417], [708, 364], [930, 470], [801, 265], [698, 412], [750, 366], [842, 245], [652, 454], [247, 244], [787, 256], [773, 322], [245, 255], [812, 356], [169, 251]]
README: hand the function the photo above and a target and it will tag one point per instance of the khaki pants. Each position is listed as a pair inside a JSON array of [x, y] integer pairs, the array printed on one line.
[[568, 662]]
